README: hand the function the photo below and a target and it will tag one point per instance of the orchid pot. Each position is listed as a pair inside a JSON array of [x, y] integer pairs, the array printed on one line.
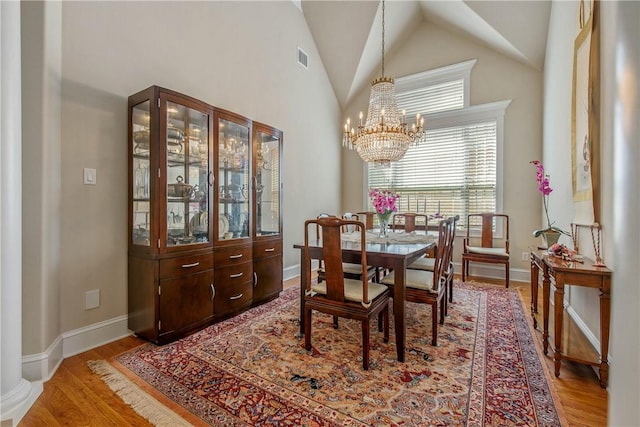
[[550, 238]]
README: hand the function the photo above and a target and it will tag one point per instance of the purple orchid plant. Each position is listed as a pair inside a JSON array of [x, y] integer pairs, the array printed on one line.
[[545, 188]]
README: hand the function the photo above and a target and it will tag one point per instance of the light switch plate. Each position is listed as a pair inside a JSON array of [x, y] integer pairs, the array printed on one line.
[[89, 176]]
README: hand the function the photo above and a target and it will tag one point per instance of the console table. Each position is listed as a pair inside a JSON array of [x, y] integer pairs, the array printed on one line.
[[570, 273]]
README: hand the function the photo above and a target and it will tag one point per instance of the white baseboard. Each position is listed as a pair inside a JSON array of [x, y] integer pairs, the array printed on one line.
[[495, 272], [92, 336], [595, 342], [291, 272], [42, 366]]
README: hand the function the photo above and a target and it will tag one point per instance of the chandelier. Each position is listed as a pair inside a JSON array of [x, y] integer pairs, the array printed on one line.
[[384, 137]]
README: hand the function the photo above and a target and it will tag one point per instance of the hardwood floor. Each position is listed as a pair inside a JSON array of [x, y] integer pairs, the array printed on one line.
[[77, 397]]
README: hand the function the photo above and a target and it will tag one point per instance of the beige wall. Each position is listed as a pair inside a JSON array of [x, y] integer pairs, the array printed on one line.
[[493, 78], [41, 210], [240, 56]]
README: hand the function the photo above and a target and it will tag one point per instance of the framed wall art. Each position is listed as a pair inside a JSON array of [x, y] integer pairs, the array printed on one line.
[[585, 120]]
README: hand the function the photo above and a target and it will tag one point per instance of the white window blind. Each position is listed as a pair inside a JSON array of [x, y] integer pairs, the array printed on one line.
[[431, 99], [453, 170]]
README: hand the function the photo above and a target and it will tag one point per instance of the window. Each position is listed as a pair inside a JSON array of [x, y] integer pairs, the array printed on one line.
[[455, 168]]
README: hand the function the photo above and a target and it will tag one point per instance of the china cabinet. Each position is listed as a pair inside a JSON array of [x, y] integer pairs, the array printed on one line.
[[205, 240]]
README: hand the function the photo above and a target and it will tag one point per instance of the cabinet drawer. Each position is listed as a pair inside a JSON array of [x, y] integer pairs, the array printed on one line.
[[267, 249], [185, 265], [232, 297], [232, 255], [233, 274]]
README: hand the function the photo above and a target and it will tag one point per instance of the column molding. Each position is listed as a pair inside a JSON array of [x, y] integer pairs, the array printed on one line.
[[16, 394]]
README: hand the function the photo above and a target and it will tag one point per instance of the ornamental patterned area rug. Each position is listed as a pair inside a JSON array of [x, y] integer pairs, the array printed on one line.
[[253, 370]]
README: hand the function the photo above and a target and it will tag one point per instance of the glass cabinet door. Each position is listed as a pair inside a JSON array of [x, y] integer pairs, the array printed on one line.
[[233, 179], [187, 161], [141, 140], [267, 145]]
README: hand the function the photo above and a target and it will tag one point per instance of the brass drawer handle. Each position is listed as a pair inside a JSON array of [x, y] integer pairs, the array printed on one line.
[[270, 249], [234, 276], [195, 264], [235, 256], [236, 297]]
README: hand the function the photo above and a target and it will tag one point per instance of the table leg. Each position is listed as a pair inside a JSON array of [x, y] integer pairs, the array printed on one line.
[[303, 286], [558, 308], [546, 291], [534, 291], [605, 313], [398, 308]]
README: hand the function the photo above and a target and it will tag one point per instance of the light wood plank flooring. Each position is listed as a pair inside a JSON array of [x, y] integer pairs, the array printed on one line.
[[77, 397]]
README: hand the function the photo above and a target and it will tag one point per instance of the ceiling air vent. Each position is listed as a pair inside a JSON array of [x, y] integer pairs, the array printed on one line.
[[303, 58]]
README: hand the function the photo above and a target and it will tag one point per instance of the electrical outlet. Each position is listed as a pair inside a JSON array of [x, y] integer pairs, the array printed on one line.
[[525, 256], [92, 299]]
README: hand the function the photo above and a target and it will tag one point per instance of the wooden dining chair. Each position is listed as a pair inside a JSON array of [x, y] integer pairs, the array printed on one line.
[[349, 215], [353, 271], [320, 271], [429, 287], [367, 218], [339, 296], [428, 263], [486, 248], [409, 221]]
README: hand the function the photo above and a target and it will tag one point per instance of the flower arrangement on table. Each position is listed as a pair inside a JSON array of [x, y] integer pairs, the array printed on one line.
[[545, 188], [561, 251], [384, 203]]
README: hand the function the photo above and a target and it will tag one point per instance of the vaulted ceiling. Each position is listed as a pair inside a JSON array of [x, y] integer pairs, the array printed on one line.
[[348, 33]]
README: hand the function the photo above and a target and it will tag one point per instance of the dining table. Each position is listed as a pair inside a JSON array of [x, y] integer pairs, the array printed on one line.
[[396, 252]]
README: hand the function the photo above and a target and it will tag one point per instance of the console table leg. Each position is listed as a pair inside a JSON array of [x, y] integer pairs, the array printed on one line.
[[534, 286], [546, 290], [558, 307], [604, 374], [605, 317]]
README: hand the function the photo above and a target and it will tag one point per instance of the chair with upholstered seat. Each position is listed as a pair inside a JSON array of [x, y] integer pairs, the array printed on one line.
[[429, 287], [428, 263], [340, 296], [486, 248]]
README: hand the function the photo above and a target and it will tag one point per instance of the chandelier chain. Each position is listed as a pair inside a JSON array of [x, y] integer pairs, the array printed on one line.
[[382, 38]]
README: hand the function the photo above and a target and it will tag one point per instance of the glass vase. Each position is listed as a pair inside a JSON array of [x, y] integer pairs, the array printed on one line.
[[383, 221]]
